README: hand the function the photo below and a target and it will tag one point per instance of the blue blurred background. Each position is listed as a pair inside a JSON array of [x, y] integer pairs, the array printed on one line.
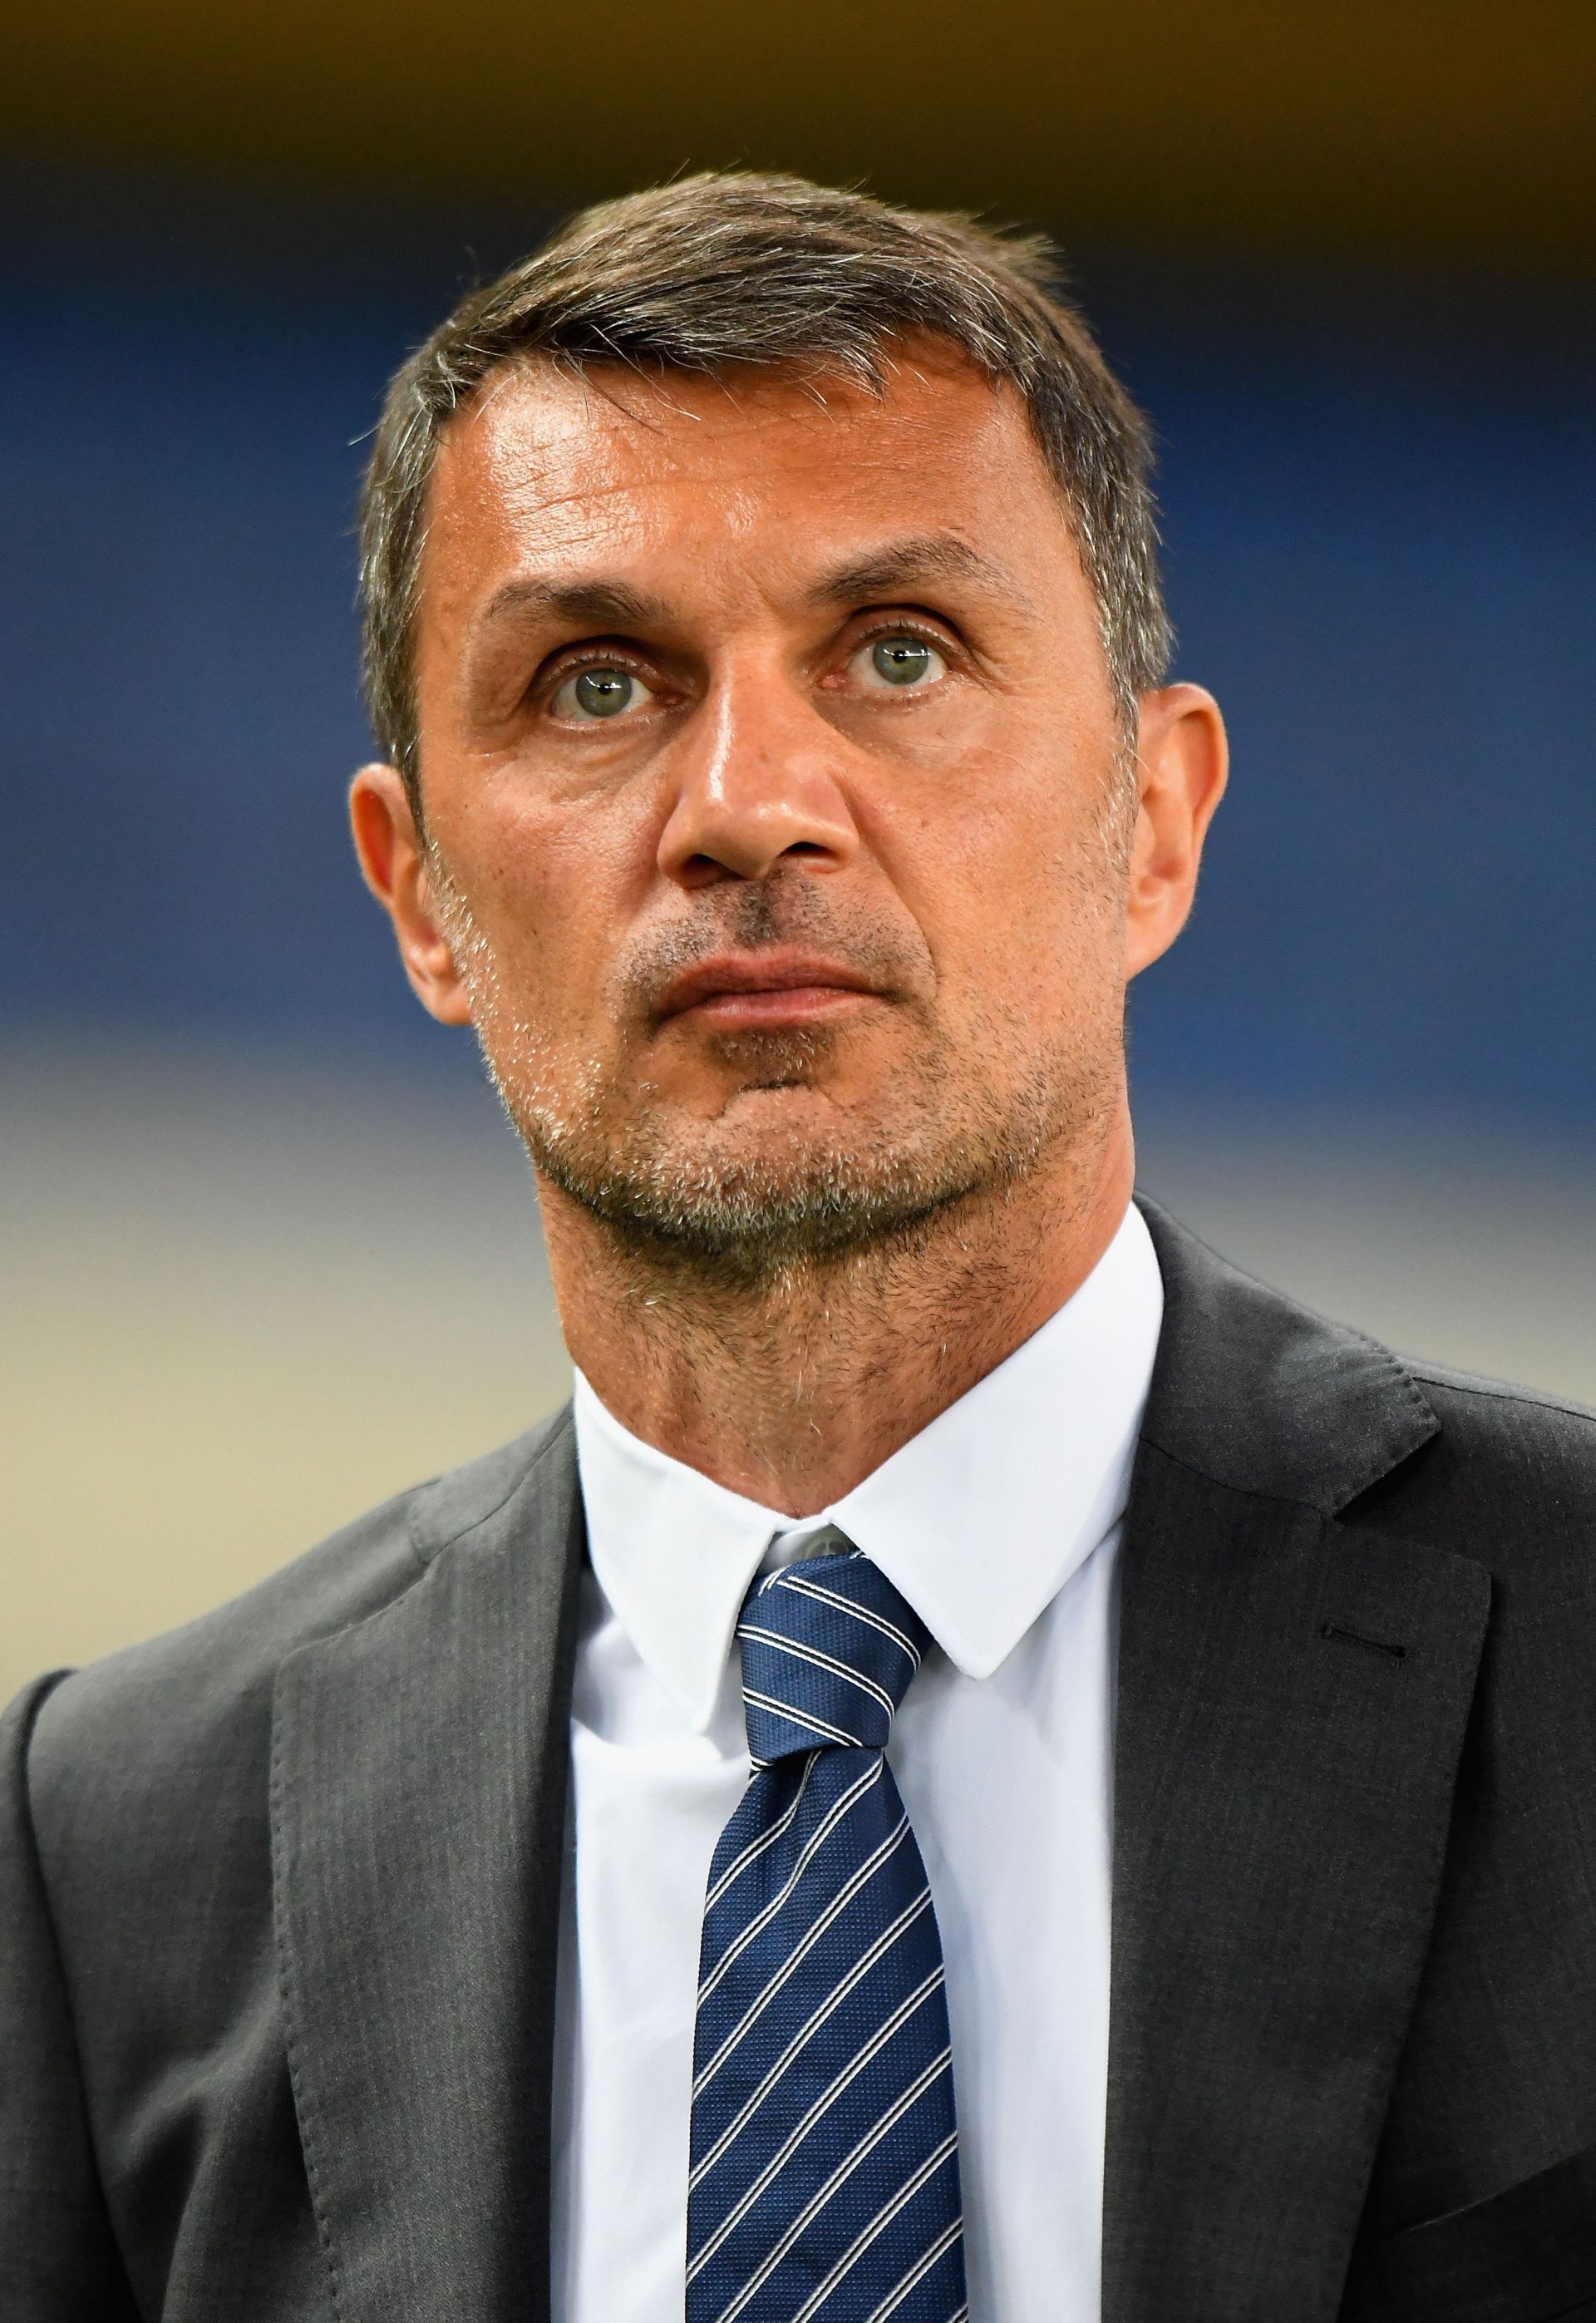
[[271, 1255]]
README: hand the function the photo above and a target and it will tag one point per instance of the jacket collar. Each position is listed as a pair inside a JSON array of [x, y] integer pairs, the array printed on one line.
[[419, 1797], [1293, 1693], [1251, 1391]]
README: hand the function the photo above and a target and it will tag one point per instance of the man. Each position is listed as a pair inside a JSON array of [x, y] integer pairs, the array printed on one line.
[[988, 1764]]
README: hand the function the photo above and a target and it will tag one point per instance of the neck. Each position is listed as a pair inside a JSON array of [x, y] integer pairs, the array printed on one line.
[[791, 1391]]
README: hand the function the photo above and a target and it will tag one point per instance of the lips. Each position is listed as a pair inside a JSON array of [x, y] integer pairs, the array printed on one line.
[[769, 986]]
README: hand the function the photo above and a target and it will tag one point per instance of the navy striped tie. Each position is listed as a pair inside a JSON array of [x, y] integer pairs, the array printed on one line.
[[824, 2177]]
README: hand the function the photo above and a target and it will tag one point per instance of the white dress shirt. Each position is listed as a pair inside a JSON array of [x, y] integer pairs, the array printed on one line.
[[999, 1522]]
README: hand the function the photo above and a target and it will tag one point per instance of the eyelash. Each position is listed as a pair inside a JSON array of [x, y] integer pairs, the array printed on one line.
[[923, 631], [591, 658]]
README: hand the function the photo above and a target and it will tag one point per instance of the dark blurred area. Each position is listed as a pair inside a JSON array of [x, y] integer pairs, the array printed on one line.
[[260, 1211]]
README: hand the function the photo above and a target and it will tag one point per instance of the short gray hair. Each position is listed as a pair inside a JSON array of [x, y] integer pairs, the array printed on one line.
[[737, 270]]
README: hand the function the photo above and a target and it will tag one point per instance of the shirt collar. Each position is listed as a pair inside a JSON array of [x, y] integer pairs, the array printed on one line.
[[979, 1520]]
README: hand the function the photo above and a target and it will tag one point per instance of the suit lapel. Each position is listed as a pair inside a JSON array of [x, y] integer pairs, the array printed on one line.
[[1291, 1706], [418, 1800]]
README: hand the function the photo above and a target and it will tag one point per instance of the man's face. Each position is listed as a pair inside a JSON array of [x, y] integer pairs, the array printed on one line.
[[774, 793]]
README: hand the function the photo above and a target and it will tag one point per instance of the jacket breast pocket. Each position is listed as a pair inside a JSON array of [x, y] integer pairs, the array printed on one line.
[[1525, 2255]]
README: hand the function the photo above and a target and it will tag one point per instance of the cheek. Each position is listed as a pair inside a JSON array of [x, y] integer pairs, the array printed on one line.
[[552, 885], [1011, 878]]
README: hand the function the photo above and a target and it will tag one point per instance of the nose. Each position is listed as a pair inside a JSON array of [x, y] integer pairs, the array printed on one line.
[[758, 784]]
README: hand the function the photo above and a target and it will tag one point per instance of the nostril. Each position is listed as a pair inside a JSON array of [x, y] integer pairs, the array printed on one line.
[[703, 871]]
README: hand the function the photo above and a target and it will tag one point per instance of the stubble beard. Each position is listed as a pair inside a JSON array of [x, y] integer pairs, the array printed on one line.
[[748, 1207]]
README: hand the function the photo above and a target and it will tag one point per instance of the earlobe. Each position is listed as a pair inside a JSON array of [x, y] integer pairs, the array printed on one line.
[[1182, 764], [393, 859]]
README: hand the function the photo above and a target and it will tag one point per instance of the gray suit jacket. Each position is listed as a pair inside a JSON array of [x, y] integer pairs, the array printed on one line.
[[279, 1894]]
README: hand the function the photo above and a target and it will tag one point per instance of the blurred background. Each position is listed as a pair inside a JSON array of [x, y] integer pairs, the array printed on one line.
[[267, 1253]]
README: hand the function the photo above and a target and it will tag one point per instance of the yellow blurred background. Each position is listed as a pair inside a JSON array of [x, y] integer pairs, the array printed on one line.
[[1413, 126]]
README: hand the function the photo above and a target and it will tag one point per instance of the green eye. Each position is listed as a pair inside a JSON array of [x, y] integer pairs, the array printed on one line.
[[600, 693], [902, 661]]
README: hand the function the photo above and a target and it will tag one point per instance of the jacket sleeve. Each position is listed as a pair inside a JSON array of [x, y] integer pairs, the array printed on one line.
[[57, 2257]]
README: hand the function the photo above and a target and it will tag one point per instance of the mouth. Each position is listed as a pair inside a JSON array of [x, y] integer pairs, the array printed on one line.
[[766, 991]]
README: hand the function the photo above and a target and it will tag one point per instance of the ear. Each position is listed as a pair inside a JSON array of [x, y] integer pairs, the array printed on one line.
[[393, 860], [1181, 762]]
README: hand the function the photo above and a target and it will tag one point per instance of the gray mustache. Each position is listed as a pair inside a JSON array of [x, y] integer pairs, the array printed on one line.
[[785, 910]]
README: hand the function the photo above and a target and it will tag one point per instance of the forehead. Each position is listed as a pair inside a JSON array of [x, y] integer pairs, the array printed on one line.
[[765, 474]]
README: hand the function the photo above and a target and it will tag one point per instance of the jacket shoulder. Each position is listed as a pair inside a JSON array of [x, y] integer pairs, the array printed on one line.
[[1511, 1470], [164, 1712], [1474, 1400], [1258, 1392]]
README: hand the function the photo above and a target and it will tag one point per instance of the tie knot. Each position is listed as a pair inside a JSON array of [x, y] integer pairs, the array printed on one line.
[[829, 1648]]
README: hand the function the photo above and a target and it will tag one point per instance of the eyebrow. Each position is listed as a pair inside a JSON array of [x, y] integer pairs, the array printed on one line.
[[895, 569], [590, 604]]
